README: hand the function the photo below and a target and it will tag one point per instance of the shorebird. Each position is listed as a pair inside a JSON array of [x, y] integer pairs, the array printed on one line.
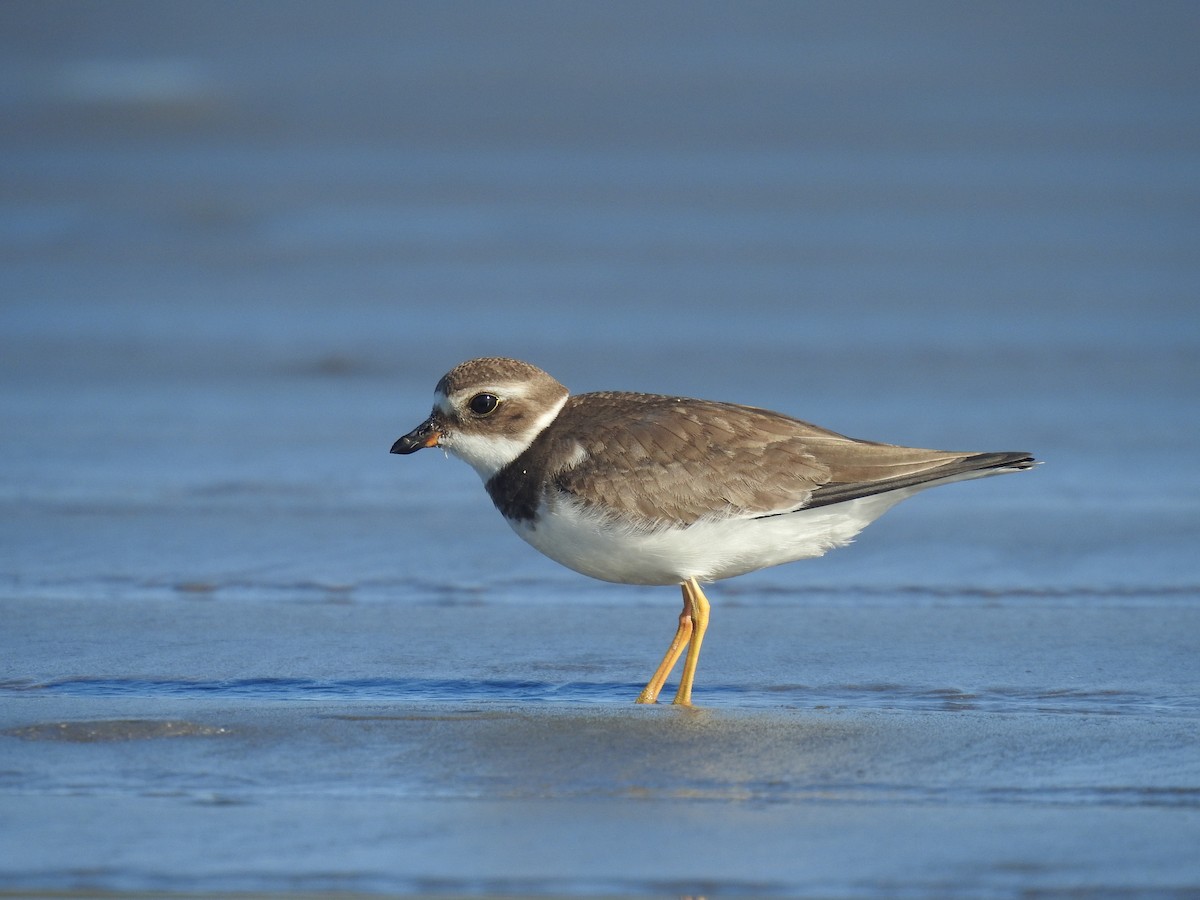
[[648, 489]]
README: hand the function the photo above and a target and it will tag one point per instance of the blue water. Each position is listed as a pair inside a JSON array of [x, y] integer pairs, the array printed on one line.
[[871, 696], [244, 649]]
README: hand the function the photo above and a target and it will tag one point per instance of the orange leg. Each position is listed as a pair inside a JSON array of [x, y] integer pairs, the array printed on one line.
[[697, 605], [683, 634]]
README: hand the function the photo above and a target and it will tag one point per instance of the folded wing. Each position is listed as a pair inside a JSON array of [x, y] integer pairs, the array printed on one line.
[[687, 460]]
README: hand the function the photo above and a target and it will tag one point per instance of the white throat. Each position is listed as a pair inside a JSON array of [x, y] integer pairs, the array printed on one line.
[[487, 454]]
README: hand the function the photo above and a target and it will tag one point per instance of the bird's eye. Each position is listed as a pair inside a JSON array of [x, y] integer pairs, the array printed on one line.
[[483, 404]]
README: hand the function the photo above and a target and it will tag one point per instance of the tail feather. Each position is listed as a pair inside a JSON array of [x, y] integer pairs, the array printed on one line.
[[980, 463]]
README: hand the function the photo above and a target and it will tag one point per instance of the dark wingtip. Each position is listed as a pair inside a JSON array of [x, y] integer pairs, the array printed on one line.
[[1017, 460]]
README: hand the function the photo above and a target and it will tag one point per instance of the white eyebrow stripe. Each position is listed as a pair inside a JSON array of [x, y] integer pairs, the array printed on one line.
[[510, 390]]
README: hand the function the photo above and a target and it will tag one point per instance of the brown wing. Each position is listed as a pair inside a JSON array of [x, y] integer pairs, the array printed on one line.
[[651, 458], [886, 475]]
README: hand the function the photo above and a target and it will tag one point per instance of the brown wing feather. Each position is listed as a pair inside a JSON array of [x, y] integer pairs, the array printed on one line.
[[723, 460]]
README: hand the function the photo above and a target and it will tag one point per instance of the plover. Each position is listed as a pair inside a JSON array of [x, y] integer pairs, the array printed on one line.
[[648, 489]]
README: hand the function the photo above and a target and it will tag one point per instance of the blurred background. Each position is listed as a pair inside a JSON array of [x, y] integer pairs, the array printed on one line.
[[242, 240], [244, 649]]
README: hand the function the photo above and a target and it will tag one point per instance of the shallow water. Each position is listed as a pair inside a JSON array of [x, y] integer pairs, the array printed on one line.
[[246, 650], [952, 747]]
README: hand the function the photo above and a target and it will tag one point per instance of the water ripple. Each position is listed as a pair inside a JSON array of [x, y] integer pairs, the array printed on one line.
[[883, 696]]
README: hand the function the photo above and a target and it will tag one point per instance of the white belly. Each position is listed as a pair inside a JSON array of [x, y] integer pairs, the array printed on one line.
[[708, 551], [711, 549]]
